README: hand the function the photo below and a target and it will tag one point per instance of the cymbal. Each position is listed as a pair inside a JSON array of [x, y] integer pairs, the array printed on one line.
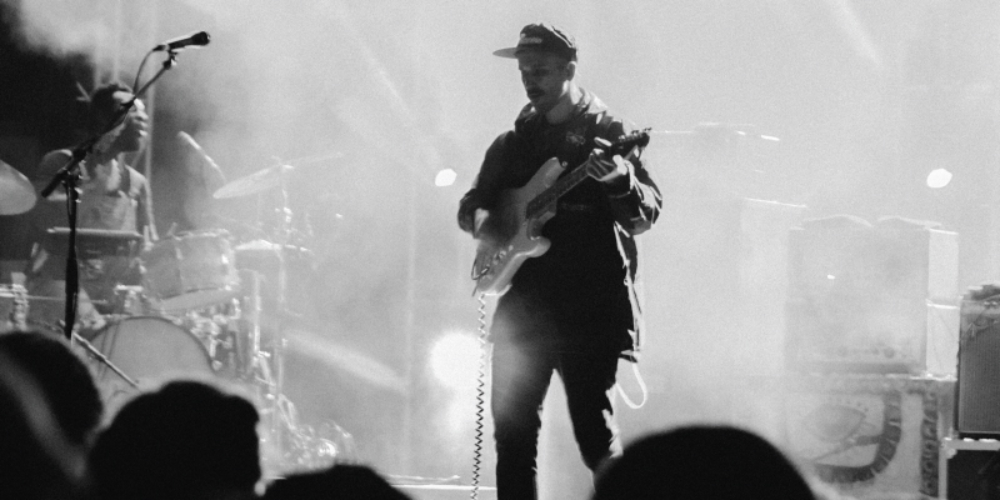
[[257, 182], [16, 192], [265, 246], [259, 255], [306, 160], [258, 246]]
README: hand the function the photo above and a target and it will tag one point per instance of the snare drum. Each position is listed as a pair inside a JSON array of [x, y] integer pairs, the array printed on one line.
[[190, 271], [13, 308], [150, 351]]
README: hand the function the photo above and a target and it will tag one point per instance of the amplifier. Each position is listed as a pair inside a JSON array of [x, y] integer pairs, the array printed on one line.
[[871, 298], [978, 402], [883, 335], [844, 255]]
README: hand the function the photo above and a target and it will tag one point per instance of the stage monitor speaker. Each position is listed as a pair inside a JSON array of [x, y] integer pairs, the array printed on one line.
[[978, 402]]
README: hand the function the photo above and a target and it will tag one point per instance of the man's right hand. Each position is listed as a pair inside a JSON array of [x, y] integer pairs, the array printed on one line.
[[468, 207], [480, 216]]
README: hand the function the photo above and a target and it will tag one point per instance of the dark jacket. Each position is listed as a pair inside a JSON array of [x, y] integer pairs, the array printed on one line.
[[586, 283]]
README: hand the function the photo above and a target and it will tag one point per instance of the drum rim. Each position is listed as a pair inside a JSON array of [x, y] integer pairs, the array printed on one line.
[[118, 321]]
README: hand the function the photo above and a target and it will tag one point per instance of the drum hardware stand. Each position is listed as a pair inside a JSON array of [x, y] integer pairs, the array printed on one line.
[[290, 442], [267, 365], [69, 177], [256, 369], [103, 359], [281, 418]]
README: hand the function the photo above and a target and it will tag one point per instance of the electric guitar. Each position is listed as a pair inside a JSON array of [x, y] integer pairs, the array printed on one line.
[[512, 232]]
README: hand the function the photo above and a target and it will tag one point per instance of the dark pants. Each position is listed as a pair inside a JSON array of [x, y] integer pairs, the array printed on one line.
[[521, 374]]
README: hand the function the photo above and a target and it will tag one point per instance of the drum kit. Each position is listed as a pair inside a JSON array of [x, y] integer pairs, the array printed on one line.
[[198, 313]]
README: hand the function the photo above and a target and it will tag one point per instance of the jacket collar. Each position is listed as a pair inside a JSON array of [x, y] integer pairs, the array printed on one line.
[[588, 103]]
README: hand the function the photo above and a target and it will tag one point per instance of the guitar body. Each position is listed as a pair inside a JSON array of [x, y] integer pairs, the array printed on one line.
[[508, 237]]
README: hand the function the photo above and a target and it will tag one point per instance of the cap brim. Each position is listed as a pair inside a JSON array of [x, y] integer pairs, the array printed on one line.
[[509, 53]]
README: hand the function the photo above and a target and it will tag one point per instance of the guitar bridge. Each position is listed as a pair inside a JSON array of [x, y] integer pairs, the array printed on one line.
[[478, 273]]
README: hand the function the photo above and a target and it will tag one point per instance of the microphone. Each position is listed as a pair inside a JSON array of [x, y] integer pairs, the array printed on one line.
[[198, 39], [201, 152]]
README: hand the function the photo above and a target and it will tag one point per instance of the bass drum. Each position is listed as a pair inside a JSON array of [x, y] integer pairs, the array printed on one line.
[[150, 351]]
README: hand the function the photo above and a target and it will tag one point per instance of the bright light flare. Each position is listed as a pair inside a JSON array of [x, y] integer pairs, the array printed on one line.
[[938, 178], [455, 359], [445, 178]]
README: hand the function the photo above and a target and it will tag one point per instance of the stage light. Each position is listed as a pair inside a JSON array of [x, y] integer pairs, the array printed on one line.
[[455, 359], [445, 178], [938, 178]]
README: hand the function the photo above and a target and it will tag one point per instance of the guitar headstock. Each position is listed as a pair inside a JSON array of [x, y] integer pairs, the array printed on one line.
[[630, 144]]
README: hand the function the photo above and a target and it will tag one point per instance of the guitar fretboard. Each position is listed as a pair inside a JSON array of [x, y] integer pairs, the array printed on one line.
[[635, 141], [541, 202]]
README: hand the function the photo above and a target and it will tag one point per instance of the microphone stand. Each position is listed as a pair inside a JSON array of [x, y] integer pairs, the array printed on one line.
[[69, 177]]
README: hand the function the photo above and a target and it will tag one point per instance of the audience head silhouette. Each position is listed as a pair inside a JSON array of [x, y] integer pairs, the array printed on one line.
[[63, 378], [187, 440], [702, 462], [343, 482], [36, 461]]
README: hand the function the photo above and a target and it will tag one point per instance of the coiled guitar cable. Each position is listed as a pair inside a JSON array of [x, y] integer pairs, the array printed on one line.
[[477, 447]]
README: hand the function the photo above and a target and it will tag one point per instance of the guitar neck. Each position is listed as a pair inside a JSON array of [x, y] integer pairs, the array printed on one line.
[[628, 146], [562, 186]]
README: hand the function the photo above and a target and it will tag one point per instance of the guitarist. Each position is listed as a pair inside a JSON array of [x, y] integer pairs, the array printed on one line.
[[573, 310]]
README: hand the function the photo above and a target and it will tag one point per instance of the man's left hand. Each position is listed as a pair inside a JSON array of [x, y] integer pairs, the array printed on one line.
[[606, 169]]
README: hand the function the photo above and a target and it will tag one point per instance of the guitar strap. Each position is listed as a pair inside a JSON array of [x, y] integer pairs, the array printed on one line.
[[125, 187], [632, 280], [597, 126]]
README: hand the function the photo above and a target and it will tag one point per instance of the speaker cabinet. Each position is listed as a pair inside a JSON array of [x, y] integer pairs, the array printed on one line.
[[863, 298], [978, 402]]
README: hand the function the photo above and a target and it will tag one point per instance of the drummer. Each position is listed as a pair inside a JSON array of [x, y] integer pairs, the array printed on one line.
[[114, 196]]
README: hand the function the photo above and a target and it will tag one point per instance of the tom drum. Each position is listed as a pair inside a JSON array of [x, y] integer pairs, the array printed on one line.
[[189, 271]]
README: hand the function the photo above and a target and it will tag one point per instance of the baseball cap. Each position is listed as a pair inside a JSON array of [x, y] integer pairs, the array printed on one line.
[[542, 37]]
